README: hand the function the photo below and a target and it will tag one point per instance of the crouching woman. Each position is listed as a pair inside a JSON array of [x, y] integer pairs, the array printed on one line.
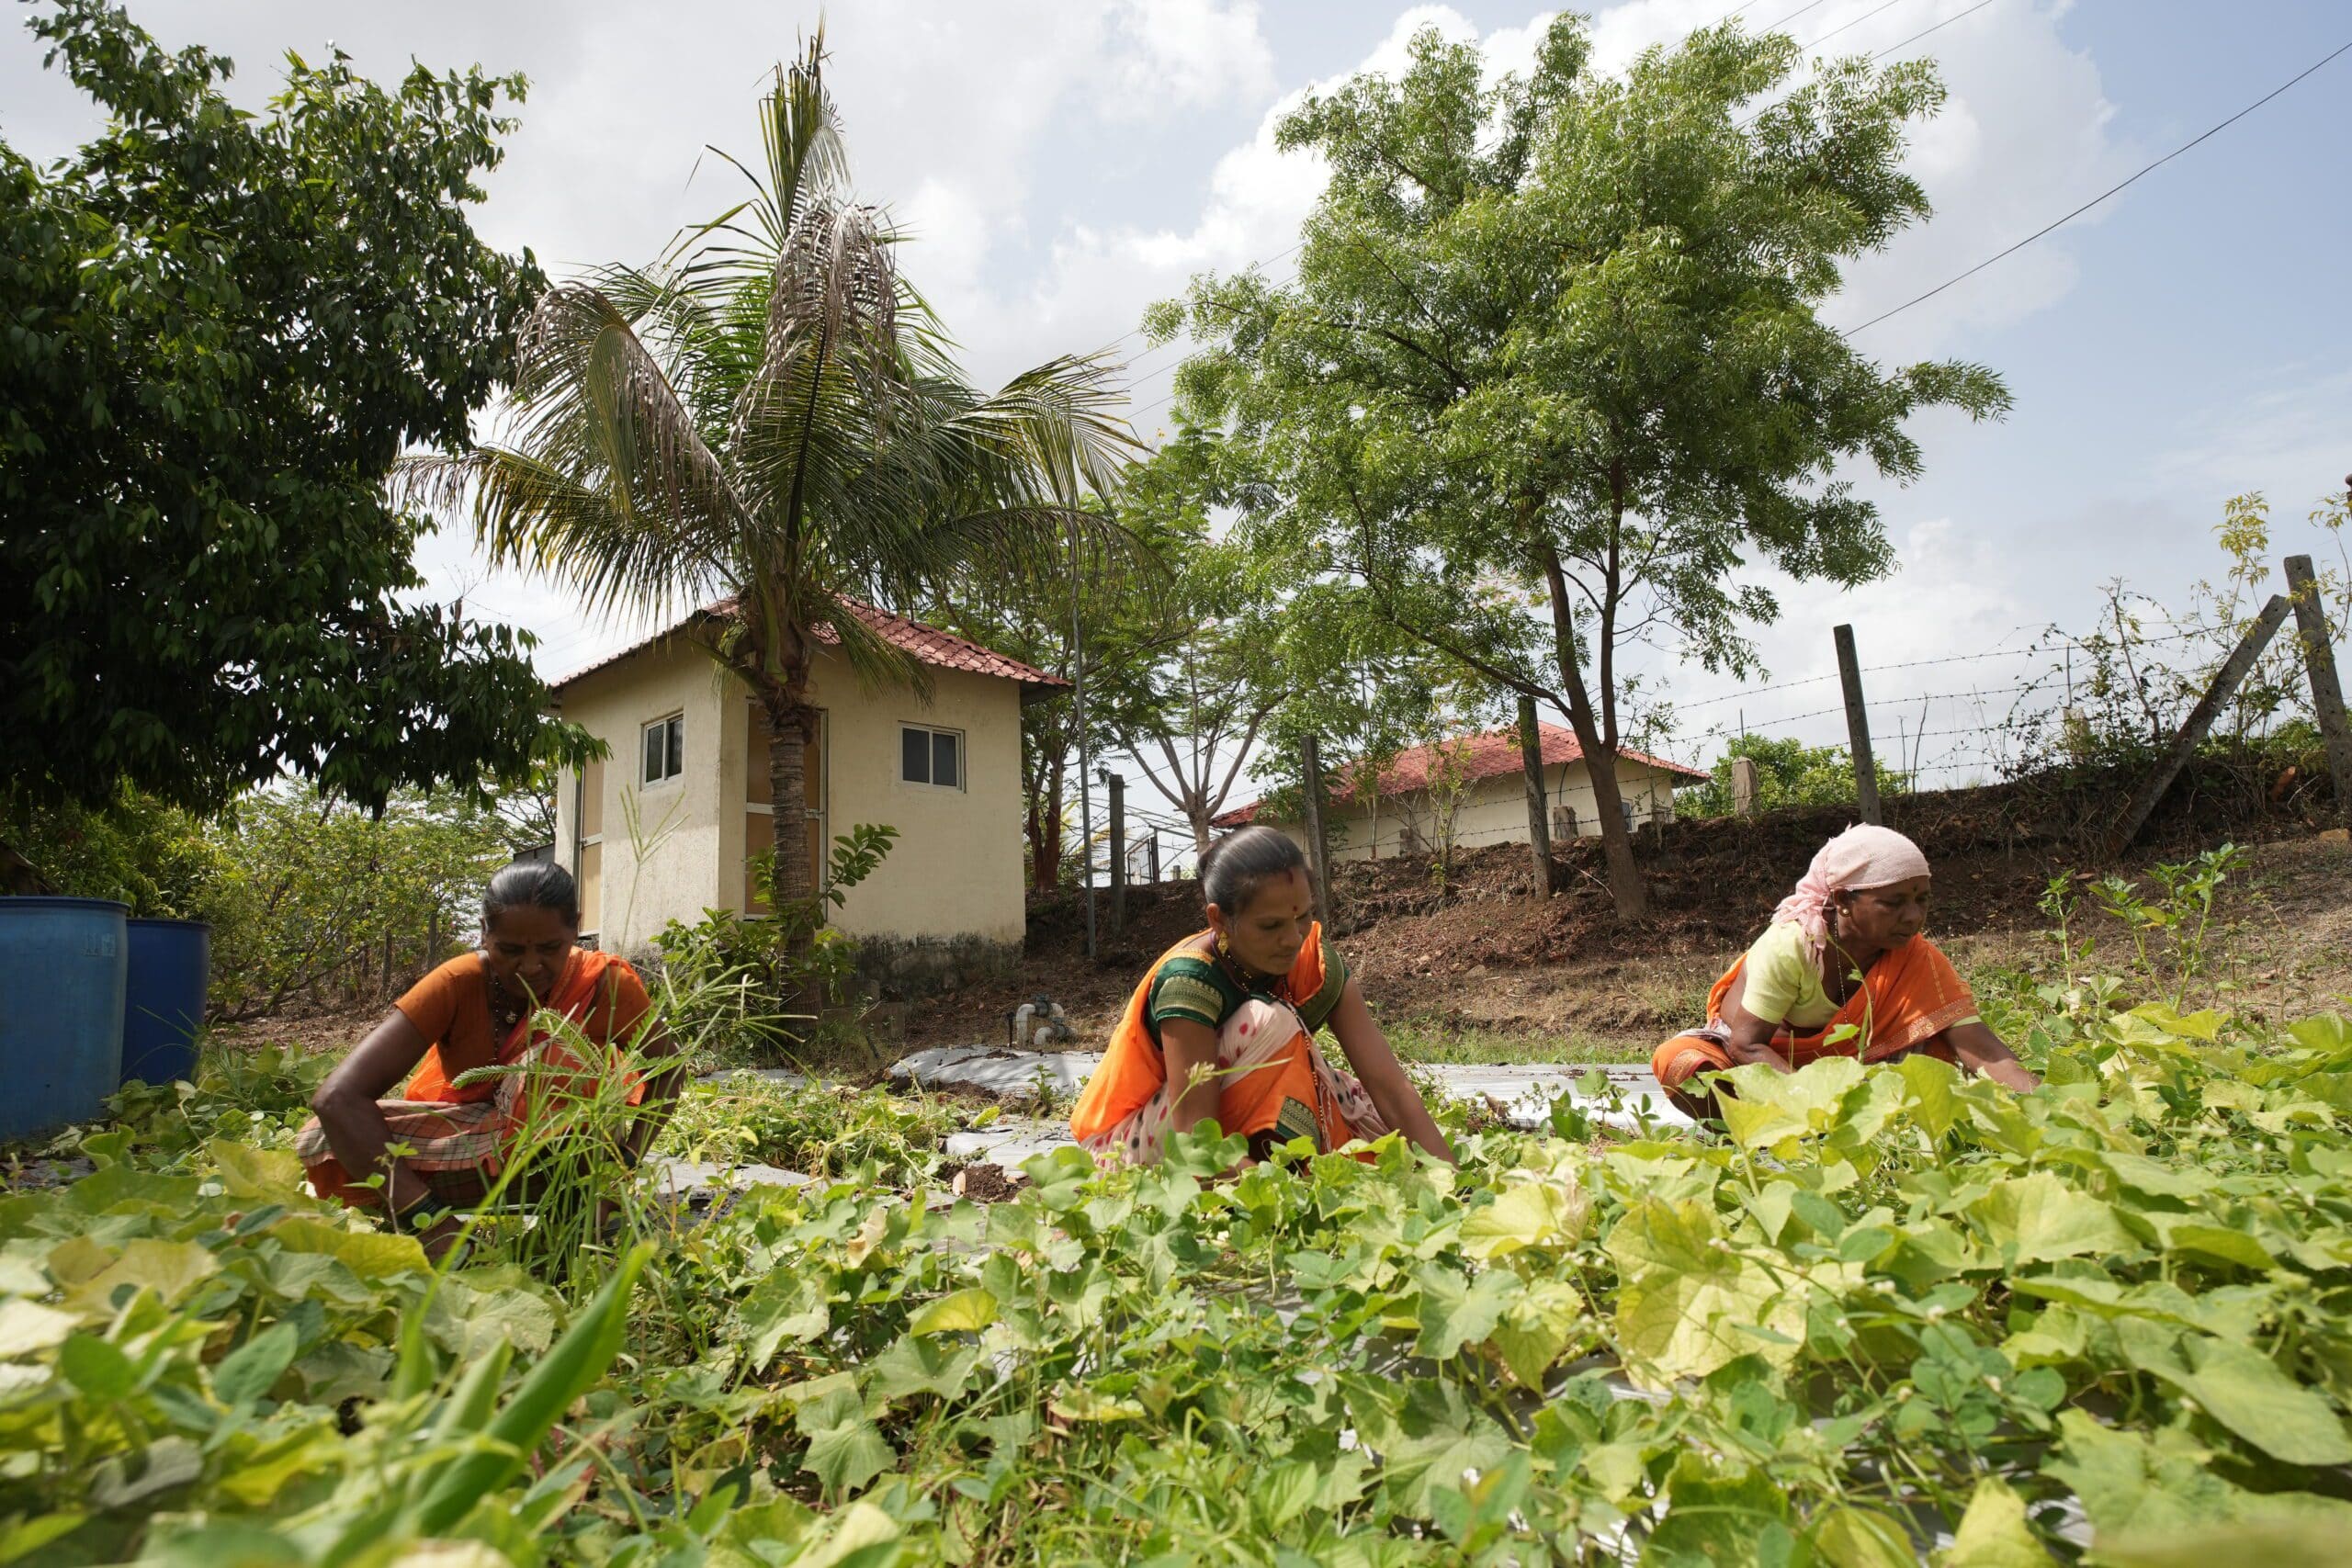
[[487, 1009], [1224, 1026], [1844, 970]]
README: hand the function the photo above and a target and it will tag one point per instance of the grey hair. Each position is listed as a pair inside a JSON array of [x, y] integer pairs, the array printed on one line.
[[1237, 865], [541, 883]]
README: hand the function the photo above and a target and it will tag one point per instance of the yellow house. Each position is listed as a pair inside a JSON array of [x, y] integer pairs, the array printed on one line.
[[1403, 817], [666, 826]]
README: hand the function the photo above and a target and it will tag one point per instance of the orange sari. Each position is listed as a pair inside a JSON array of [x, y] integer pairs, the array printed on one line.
[[460, 1133], [1906, 999], [1263, 1046]]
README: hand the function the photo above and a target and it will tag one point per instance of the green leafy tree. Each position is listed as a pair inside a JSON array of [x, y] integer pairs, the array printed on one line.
[[221, 331], [1117, 618], [773, 415], [1788, 772], [1552, 370]]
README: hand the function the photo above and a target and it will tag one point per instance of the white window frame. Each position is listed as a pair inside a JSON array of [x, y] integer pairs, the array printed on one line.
[[963, 757], [662, 724]]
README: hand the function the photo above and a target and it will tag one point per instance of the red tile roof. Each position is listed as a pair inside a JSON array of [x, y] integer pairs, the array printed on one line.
[[944, 650], [1492, 755]]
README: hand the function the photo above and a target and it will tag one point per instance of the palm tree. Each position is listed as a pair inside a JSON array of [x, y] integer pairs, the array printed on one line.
[[772, 415]]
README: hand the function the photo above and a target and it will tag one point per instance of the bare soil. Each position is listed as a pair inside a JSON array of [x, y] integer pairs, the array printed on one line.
[[1480, 955]]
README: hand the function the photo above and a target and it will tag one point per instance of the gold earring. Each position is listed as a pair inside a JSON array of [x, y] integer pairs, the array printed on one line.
[[1224, 949]]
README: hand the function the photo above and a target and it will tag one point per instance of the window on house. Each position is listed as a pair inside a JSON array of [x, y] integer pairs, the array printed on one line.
[[664, 750], [1626, 808], [933, 757], [1564, 821]]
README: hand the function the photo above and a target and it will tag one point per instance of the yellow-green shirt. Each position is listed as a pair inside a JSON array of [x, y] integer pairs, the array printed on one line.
[[1782, 982]]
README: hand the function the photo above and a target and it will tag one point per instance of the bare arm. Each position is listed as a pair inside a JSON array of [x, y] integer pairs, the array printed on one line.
[[1751, 1037], [354, 1126], [1186, 1045], [1374, 1061], [1980, 1051]]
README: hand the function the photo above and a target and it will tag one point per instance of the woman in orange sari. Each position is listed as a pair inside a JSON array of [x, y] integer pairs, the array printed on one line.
[[1224, 1026], [485, 1008], [1842, 971]]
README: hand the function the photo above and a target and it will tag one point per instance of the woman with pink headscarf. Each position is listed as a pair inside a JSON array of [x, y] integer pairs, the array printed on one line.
[[1842, 971]]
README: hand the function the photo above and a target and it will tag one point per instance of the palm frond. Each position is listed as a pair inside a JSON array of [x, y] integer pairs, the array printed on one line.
[[529, 515]]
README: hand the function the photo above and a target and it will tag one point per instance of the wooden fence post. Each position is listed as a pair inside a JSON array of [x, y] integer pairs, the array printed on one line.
[[2201, 719], [1539, 824], [1118, 788], [1858, 725], [2319, 663], [1319, 852]]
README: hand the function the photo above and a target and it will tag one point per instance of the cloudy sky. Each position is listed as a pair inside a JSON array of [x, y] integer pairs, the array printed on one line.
[[1066, 163]]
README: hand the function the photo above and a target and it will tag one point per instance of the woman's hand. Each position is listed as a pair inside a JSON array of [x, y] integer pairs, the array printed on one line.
[[1375, 1062], [1982, 1051], [355, 1129], [1751, 1037]]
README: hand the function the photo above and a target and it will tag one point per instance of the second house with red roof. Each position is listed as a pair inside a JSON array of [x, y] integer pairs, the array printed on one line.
[[1482, 798]]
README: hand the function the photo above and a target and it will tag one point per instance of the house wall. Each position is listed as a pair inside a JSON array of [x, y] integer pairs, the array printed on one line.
[[678, 823], [955, 872], [956, 868], [1493, 811]]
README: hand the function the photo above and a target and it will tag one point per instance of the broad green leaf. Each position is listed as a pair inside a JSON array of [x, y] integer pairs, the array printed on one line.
[[2246, 1392], [1283, 1492], [170, 1268], [1455, 1312], [1537, 1325], [789, 1306], [845, 1448], [25, 1326], [856, 1537], [2279, 1542], [1525, 1214], [1932, 1083], [917, 1364], [371, 1255], [1993, 1532], [247, 1372], [1686, 1301], [21, 1536], [2221, 1244], [2039, 1217], [1439, 1438], [467, 1320], [1714, 1516], [2133, 1482], [97, 1368], [1768, 1107], [1085, 1403], [1847, 1536], [249, 1172], [967, 1311]]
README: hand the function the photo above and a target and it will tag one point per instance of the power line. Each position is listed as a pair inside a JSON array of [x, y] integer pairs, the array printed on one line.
[[2111, 190]]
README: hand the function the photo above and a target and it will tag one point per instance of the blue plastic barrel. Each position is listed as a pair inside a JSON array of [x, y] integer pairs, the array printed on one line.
[[171, 963], [64, 962]]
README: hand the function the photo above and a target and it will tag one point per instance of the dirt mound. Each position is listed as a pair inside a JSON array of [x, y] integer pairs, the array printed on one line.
[[1478, 952]]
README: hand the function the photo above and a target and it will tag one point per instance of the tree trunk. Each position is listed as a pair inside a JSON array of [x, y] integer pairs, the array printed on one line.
[[1046, 831], [1625, 885], [789, 723], [1199, 821]]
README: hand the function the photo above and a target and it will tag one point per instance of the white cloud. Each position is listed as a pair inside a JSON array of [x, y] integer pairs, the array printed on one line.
[[1187, 52]]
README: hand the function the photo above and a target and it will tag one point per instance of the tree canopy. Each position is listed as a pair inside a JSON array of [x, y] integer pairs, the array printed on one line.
[[775, 414], [1552, 371], [221, 331]]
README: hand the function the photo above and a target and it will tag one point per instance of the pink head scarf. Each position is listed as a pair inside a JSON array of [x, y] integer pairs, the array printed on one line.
[[1865, 857]]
